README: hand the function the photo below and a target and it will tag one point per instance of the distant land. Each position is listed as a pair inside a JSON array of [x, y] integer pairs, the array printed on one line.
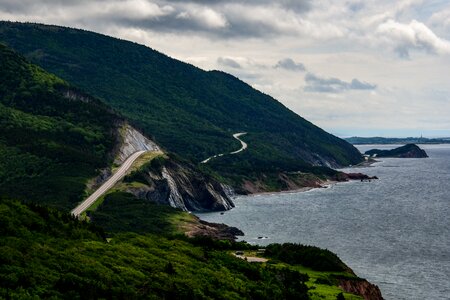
[[406, 151], [355, 140]]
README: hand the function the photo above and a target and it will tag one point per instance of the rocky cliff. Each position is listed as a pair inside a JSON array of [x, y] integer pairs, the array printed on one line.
[[163, 178], [407, 151], [166, 180], [131, 142], [361, 287]]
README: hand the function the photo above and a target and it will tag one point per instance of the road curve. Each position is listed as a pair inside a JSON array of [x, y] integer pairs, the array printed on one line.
[[236, 136], [107, 185]]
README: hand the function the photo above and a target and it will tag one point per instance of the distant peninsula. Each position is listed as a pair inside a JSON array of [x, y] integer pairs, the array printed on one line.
[[406, 151], [407, 140]]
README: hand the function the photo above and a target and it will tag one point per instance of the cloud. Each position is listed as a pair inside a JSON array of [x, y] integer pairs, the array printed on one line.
[[333, 85], [228, 62], [295, 5], [357, 36], [412, 36], [441, 18], [290, 64], [215, 18]]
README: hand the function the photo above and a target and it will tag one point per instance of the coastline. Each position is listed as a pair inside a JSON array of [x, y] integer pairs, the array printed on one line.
[[323, 185]]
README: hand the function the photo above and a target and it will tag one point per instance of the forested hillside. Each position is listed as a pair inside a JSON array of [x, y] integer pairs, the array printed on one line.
[[47, 254], [186, 110], [52, 137]]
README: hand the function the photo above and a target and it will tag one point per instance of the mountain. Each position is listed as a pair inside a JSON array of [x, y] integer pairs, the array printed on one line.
[[406, 151], [56, 139], [186, 110]]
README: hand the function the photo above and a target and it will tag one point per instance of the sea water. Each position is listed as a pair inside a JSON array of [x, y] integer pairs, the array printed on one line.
[[395, 231]]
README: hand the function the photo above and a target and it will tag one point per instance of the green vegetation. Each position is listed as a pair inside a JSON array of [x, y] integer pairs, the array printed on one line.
[[46, 254], [52, 136], [122, 212], [308, 256], [324, 285], [186, 110], [139, 174]]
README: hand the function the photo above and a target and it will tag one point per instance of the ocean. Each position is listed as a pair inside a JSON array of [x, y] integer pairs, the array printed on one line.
[[395, 231]]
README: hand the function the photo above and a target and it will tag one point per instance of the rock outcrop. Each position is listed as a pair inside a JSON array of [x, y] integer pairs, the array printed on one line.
[[353, 176], [174, 183], [361, 287], [212, 230], [131, 142], [180, 185], [407, 151]]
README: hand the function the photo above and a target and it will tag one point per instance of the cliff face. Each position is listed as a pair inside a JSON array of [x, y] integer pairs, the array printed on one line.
[[180, 185], [407, 151], [131, 142], [363, 288], [173, 183]]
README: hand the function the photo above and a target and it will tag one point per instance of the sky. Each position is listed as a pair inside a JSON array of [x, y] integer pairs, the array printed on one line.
[[356, 67]]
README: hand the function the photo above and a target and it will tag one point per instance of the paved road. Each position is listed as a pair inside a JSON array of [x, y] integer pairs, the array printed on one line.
[[236, 136], [107, 185]]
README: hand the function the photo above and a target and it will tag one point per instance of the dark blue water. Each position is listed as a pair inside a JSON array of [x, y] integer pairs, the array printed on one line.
[[395, 231]]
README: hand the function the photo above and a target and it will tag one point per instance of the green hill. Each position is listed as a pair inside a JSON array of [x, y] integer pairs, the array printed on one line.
[[188, 111], [52, 137]]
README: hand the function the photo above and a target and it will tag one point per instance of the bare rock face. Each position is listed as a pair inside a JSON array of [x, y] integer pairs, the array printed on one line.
[[133, 141], [362, 287], [213, 230], [182, 186]]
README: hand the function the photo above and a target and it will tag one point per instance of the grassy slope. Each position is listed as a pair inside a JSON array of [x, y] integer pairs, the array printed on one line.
[[188, 111], [49, 145]]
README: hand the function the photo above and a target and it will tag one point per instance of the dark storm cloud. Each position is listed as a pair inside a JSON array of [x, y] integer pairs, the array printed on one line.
[[228, 62], [334, 85], [290, 64]]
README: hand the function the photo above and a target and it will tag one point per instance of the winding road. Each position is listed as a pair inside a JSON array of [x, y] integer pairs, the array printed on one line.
[[236, 136], [107, 185]]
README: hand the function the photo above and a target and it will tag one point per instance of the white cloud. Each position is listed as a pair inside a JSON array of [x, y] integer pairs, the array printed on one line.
[[441, 18], [414, 35]]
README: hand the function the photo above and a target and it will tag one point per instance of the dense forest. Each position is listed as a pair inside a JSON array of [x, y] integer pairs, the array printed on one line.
[[48, 254], [52, 136], [188, 111], [45, 253]]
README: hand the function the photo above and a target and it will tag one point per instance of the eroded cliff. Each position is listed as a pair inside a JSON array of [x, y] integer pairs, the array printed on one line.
[[166, 180]]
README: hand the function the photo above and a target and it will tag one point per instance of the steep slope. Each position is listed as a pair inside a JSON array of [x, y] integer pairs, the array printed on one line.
[[50, 143], [168, 180], [54, 139], [186, 110]]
